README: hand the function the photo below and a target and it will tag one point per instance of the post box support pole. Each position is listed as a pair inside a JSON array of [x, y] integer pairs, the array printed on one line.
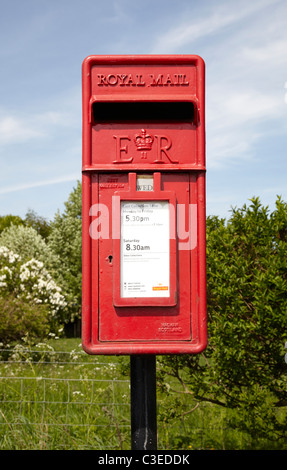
[[143, 402]]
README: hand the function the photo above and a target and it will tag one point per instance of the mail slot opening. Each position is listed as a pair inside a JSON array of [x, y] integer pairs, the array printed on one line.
[[178, 111]]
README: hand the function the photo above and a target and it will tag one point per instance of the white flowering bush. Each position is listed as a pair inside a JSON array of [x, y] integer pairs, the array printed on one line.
[[31, 282], [29, 244], [37, 284], [9, 262]]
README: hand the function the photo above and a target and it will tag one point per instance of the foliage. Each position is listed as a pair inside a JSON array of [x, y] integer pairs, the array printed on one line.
[[19, 318], [243, 366], [65, 241], [57, 245], [30, 282]]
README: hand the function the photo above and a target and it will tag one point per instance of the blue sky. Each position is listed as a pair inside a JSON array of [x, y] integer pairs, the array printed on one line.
[[43, 44]]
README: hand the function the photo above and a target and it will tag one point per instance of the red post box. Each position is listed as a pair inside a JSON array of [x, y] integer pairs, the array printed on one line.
[[143, 181]]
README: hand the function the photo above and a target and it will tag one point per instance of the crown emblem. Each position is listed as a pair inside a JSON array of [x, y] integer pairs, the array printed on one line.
[[143, 141]]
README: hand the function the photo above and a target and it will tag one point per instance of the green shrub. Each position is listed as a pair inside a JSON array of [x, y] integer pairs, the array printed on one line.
[[19, 318], [243, 367]]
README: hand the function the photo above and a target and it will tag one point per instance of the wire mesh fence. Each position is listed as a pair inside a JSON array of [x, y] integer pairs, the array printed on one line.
[[54, 400]]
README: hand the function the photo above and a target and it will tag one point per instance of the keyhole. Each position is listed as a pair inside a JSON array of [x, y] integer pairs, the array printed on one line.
[[110, 259]]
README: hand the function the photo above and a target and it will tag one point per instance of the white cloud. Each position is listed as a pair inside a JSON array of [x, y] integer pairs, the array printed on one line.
[[13, 130], [236, 120], [272, 52], [224, 15], [35, 184], [28, 127]]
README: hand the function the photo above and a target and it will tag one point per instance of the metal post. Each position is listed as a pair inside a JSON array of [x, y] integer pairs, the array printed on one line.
[[143, 402]]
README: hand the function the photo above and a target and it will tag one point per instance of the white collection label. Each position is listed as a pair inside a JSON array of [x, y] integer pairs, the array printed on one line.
[[145, 257]]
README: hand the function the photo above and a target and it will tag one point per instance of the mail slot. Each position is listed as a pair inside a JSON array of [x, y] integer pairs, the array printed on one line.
[[143, 111], [143, 228]]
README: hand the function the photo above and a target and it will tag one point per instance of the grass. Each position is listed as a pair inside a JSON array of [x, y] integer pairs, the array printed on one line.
[[60, 398]]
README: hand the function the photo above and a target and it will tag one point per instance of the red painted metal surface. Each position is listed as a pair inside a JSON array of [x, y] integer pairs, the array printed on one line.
[[143, 115]]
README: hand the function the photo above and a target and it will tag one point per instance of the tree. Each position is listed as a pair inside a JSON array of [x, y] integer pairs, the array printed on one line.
[[65, 241], [7, 220], [243, 366], [40, 224]]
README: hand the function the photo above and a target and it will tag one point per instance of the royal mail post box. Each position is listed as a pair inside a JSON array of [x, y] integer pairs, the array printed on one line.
[[143, 181]]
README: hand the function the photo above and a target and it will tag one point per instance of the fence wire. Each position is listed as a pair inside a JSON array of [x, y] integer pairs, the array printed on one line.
[[56, 400]]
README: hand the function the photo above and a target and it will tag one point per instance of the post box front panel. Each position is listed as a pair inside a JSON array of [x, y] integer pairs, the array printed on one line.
[[156, 322]]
